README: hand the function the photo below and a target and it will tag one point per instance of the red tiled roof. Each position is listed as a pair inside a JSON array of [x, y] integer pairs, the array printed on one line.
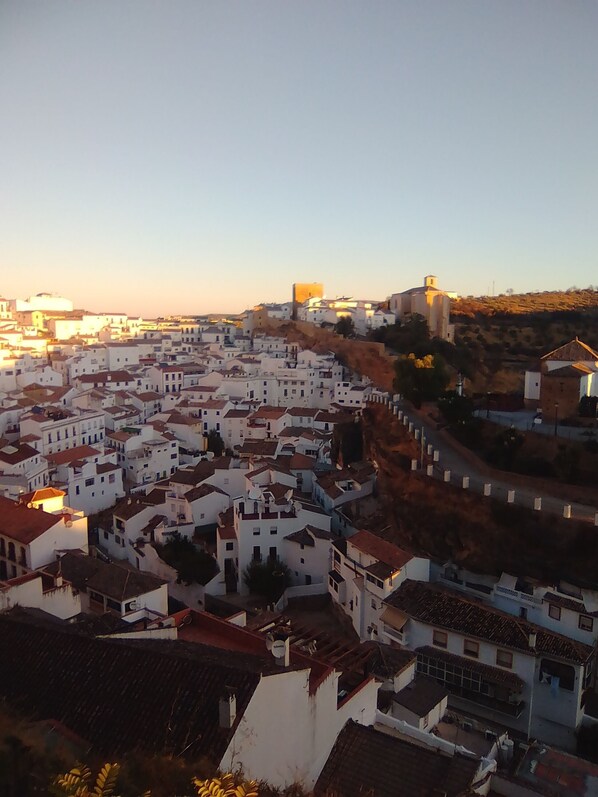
[[380, 549], [23, 525], [434, 605], [21, 452], [79, 452]]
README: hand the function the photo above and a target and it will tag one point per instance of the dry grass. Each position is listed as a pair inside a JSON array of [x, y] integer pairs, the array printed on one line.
[[442, 522]]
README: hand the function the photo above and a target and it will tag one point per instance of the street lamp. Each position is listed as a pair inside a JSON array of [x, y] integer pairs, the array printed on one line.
[[556, 416]]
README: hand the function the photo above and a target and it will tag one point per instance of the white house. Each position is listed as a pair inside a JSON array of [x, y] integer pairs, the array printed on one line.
[[24, 462], [366, 570], [39, 590], [34, 529], [53, 429], [501, 667], [114, 588]]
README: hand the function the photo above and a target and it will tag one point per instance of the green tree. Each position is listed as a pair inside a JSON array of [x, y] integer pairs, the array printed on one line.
[[456, 409], [506, 446], [420, 379], [345, 327], [268, 579], [191, 563], [215, 443]]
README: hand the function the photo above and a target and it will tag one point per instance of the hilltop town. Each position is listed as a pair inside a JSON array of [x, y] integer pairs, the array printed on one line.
[[252, 544]]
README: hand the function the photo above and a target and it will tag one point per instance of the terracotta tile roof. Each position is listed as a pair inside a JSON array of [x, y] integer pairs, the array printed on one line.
[[308, 536], [12, 454], [23, 525], [202, 491], [574, 351], [106, 377], [303, 412], [227, 533], [444, 608], [38, 496], [380, 549], [567, 603], [107, 467], [238, 414], [264, 448], [364, 760], [79, 452], [301, 462], [133, 505], [420, 696], [270, 413], [159, 697], [113, 580]]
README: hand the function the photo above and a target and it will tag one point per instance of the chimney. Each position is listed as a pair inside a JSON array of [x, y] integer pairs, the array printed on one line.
[[532, 639], [227, 708]]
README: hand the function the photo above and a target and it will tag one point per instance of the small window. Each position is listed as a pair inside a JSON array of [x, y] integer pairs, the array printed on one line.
[[471, 648], [554, 611], [504, 659], [440, 639], [230, 546], [374, 604], [586, 623]]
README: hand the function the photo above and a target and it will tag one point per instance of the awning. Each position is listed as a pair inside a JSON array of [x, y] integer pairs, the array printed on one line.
[[395, 618]]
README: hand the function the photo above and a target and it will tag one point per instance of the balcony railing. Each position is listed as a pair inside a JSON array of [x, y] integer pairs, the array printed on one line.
[[517, 595], [394, 635]]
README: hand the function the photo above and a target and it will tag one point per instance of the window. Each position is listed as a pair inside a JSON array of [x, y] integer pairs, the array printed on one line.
[[471, 648], [504, 659], [274, 530], [440, 639], [302, 561], [257, 554], [558, 675], [256, 531], [230, 546], [554, 611], [374, 604], [586, 623]]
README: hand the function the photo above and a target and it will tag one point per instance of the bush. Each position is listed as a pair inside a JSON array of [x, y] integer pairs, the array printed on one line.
[[191, 563], [268, 579]]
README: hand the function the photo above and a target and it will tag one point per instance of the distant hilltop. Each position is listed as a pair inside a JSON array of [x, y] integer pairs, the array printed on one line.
[[526, 303]]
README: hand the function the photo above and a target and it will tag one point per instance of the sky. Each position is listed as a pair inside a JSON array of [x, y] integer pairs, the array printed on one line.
[[186, 156]]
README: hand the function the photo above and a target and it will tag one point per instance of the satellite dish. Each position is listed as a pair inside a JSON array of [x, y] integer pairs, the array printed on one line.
[[278, 648]]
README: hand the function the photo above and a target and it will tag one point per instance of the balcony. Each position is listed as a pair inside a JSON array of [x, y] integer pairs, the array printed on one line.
[[515, 594], [400, 637]]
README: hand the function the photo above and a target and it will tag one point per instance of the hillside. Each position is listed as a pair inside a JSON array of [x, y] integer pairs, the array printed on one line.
[[486, 536], [504, 335], [526, 303]]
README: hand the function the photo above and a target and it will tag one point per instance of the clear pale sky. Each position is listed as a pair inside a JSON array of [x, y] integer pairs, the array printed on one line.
[[194, 156]]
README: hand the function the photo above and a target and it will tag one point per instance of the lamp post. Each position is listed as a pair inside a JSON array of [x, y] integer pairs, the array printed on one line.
[[556, 417]]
